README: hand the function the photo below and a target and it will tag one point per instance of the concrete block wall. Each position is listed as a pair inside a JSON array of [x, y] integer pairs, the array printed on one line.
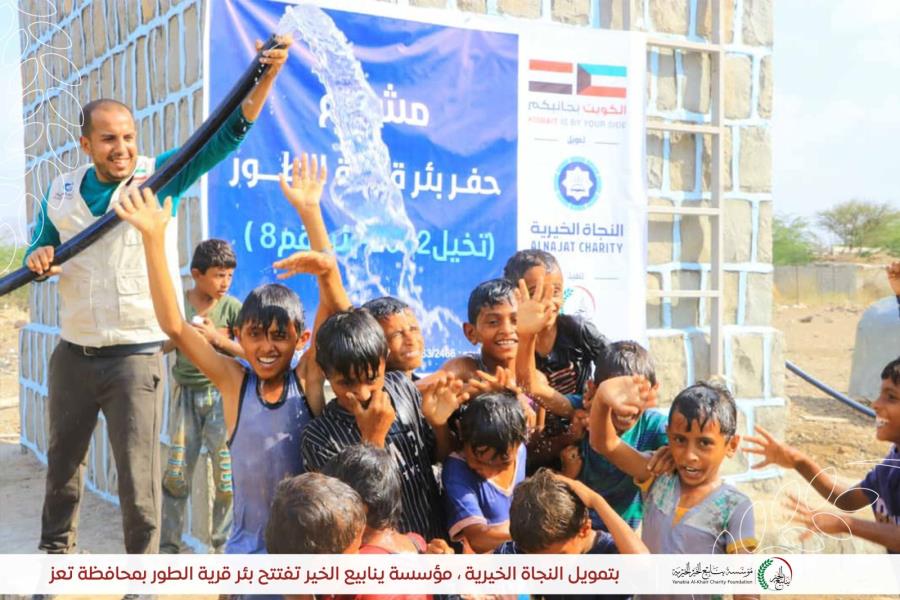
[[146, 54], [830, 282]]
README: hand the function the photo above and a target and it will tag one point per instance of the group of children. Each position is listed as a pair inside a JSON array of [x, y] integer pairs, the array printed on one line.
[[540, 442]]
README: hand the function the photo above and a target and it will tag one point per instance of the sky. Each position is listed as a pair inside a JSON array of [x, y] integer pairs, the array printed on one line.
[[834, 129]]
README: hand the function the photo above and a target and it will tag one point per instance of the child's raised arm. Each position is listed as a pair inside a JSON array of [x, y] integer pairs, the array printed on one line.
[[623, 394], [534, 314], [305, 193], [141, 209], [627, 541], [774, 452]]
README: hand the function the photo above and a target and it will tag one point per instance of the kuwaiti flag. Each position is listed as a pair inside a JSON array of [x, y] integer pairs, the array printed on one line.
[[551, 77], [601, 80]]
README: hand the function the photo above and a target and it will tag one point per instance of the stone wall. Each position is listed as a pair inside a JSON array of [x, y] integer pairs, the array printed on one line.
[[147, 54]]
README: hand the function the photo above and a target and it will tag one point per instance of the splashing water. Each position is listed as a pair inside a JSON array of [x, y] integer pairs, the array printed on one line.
[[366, 195]]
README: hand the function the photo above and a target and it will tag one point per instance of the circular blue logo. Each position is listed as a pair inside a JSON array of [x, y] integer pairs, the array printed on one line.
[[578, 183]]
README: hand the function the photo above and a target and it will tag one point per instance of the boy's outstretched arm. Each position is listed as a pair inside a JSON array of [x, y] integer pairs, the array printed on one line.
[[142, 210], [627, 541], [625, 393], [843, 496], [441, 399], [885, 534], [304, 193]]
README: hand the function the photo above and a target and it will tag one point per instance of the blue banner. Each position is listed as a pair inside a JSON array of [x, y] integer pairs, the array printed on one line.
[[418, 125]]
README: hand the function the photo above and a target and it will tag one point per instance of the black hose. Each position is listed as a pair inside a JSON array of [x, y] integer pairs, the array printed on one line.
[[159, 178], [831, 392]]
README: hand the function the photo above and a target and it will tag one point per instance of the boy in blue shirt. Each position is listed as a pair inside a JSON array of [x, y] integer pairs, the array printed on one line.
[[479, 481], [880, 488]]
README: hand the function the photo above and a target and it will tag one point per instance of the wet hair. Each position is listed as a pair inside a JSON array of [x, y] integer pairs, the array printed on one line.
[[314, 514], [372, 473], [213, 253], [519, 263], [489, 293], [494, 420], [87, 112], [544, 511], [704, 402], [272, 303], [892, 371], [352, 344], [384, 307], [625, 358]]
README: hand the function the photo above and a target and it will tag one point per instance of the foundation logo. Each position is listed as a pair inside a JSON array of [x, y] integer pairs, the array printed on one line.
[[579, 301], [578, 183], [771, 574]]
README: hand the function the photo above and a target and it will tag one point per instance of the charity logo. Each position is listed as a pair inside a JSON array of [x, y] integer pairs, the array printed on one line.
[[579, 301], [578, 183], [555, 77], [769, 577], [69, 186]]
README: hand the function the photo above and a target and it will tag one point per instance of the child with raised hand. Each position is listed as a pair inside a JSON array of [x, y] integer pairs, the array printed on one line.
[[569, 347], [880, 489], [692, 511], [401, 329], [893, 275], [264, 406], [385, 410]]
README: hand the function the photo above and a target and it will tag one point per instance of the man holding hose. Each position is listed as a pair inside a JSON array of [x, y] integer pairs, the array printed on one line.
[[109, 357]]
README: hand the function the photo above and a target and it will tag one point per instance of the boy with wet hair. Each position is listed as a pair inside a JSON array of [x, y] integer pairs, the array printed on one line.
[[569, 347], [196, 417], [385, 410], [315, 514], [880, 489], [691, 511], [479, 480], [265, 407], [401, 329], [549, 515], [645, 431]]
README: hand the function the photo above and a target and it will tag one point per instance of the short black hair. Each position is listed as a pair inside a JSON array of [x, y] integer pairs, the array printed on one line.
[[384, 307], [495, 420], [270, 303], [213, 253], [625, 358], [523, 260], [313, 514], [892, 371], [351, 343], [87, 112], [706, 401], [372, 473], [544, 511], [489, 293]]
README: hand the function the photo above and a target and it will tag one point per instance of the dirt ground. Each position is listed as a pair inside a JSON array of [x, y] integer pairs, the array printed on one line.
[[819, 340]]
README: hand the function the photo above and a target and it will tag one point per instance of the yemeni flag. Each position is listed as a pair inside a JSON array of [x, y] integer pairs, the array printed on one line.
[[551, 77]]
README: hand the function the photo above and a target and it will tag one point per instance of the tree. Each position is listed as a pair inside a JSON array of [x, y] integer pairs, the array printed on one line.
[[792, 242], [857, 223]]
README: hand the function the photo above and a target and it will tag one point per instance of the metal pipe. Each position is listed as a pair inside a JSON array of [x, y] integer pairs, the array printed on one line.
[[160, 177], [831, 392]]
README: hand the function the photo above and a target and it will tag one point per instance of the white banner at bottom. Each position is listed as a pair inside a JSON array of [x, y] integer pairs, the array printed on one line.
[[451, 574]]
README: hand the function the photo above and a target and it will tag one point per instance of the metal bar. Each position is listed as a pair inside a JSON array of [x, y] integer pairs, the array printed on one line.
[[717, 166], [684, 128], [828, 390], [626, 15], [703, 211], [685, 293], [682, 45]]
